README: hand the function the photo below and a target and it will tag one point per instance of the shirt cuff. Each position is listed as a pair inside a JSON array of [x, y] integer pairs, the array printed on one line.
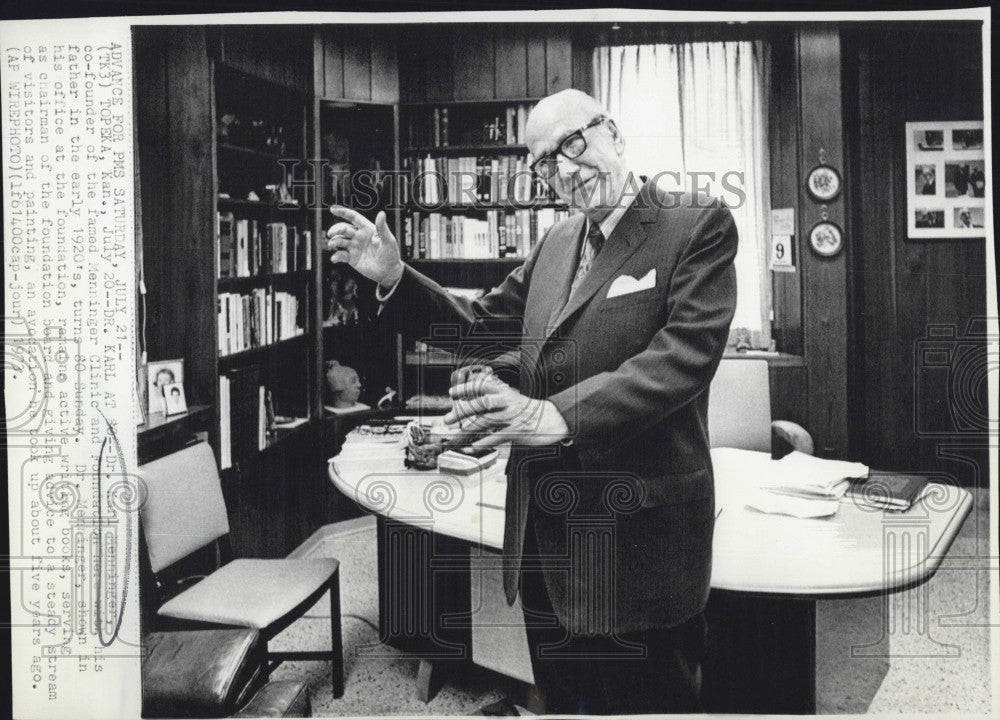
[[383, 299]]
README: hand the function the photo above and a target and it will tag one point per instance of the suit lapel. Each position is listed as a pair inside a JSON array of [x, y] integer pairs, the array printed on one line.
[[628, 236], [564, 263]]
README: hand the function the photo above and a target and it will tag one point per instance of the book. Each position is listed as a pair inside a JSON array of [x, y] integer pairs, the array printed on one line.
[[255, 250], [886, 490], [225, 223], [261, 419], [244, 411], [225, 429], [242, 248], [307, 249]]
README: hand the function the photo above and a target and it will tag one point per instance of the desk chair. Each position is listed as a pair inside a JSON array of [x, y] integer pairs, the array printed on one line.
[[739, 411], [185, 512]]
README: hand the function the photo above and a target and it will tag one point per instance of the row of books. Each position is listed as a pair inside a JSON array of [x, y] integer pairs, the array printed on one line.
[[502, 234], [469, 180], [242, 415], [259, 317], [245, 247], [435, 126]]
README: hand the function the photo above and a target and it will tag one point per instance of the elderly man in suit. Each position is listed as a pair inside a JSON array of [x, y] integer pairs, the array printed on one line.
[[625, 310]]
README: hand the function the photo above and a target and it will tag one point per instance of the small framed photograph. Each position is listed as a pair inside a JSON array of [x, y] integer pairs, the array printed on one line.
[[823, 183], [174, 400], [945, 180], [967, 139], [965, 179], [969, 217], [928, 218], [927, 140], [925, 179], [160, 374]]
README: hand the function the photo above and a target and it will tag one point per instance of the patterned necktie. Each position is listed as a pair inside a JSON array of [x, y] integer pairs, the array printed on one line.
[[593, 245]]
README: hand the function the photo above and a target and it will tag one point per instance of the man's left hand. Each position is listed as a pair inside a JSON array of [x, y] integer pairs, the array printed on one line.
[[481, 402]]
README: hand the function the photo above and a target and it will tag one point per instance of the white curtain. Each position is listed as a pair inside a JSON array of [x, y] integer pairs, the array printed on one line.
[[698, 112]]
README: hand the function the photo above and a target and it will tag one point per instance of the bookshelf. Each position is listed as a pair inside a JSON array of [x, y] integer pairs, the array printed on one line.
[[359, 141], [265, 252], [473, 196]]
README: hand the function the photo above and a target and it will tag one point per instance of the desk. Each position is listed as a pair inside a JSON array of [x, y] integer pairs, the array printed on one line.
[[790, 596]]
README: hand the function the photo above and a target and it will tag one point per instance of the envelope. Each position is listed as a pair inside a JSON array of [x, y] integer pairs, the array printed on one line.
[[626, 284]]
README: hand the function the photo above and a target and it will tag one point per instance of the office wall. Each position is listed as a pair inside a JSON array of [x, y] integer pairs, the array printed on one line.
[[903, 409]]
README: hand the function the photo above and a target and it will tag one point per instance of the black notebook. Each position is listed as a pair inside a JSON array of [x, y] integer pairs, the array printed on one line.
[[888, 490]]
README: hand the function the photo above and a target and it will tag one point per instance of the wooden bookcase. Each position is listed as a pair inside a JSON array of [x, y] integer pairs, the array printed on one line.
[[261, 143], [358, 143], [191, 77]]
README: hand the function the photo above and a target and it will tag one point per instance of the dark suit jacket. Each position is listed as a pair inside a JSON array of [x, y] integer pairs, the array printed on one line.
[[624, 515]]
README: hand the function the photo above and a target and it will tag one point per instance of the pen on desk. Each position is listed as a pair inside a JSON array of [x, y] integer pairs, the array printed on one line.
[[489, 505], [719, 513]]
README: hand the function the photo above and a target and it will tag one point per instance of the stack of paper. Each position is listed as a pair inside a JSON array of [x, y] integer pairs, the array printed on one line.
[[805, 486], [802, 475]]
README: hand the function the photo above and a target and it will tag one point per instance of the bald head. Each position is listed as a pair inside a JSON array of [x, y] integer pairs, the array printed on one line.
[[569, 107], [591, 179]]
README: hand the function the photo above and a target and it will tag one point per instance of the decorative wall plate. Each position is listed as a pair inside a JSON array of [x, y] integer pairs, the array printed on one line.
[[823, 183], [826, 238]]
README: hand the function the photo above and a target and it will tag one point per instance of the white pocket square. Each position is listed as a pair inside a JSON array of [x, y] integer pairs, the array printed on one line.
[[626, 284]]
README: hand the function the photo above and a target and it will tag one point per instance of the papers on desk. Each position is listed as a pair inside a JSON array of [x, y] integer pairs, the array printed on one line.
[[805, 476], [805, 486], [800, 507], [799, 485]]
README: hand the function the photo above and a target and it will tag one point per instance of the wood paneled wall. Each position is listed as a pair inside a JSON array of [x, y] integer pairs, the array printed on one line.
[[824, 279], [483, 62], [783, 139], [356, 63], [279, 53], [910, 415], [175, 128]]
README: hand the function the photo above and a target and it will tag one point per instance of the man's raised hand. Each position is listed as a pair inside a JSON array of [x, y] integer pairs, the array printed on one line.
[[370, 248]]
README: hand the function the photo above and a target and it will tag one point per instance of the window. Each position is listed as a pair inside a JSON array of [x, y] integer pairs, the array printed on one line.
[[694, 115]]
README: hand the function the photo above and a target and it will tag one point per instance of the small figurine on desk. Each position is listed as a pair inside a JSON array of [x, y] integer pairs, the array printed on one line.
[[742, 338], [387, 399], [345, 388]]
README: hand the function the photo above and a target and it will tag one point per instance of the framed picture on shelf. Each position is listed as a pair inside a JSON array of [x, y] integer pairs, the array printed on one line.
[[160, 374], [945, 180], [174, 400]]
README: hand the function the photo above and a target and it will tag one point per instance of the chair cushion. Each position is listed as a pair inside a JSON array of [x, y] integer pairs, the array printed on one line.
[[199, 673], [251, 593], [279, 698]]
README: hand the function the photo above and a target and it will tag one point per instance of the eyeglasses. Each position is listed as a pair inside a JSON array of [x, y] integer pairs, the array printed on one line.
[[571, 147]]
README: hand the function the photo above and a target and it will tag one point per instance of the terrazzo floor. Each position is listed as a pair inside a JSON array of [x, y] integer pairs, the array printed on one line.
[[939, 664]]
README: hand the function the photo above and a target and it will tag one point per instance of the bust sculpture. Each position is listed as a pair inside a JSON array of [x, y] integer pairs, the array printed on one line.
[[344, 387]]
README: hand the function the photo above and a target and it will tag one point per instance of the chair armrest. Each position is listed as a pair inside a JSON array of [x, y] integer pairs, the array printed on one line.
[[787, 436], [279, 698]]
